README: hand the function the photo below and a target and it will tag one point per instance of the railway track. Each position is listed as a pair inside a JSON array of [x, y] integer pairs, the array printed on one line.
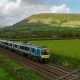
[[71, 76], [48, 71], [69, 73]]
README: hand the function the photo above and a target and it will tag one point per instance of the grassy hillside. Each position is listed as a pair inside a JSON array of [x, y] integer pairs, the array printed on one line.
[[45, 25], [1, 26], [69, 20]]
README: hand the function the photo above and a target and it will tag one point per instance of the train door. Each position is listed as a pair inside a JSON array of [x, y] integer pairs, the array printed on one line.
[[38, 52]]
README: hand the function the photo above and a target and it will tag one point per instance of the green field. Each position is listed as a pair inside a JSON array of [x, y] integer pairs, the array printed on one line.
[[4, 75], [63, 51], [10, 70], [64, 47]]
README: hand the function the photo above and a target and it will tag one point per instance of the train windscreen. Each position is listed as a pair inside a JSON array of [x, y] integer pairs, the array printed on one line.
[[45, 52]]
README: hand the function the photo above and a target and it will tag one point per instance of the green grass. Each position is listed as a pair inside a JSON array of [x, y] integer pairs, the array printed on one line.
[[64, 47], [9, 62], [63, 51], [4, 75], [55, 17], [9, 70]]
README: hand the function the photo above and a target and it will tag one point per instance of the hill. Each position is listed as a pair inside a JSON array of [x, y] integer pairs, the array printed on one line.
[[64, 20], [68, 20], [1, 26], [45, 25]]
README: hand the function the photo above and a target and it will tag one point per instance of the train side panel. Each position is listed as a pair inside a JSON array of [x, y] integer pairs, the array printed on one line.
[[24, 49]]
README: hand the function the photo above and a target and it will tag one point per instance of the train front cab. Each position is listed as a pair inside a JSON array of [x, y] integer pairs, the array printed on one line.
[[45, 55]]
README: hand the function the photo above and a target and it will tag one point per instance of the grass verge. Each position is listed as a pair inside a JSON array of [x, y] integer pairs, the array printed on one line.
[[65, 61], [4, 75], [10, 70]]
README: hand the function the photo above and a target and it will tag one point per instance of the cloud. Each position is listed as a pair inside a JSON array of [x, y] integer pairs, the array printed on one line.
[[32, 1], [60, 9], [12, 11]]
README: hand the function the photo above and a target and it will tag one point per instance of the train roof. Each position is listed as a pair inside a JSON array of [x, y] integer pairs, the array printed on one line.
[[3, 40], [30, 45], [25, 44]]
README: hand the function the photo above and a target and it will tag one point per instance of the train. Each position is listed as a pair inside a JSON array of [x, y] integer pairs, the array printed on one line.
[[38, 53]]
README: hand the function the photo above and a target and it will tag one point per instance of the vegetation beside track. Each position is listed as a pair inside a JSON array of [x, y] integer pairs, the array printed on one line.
[[10, 70], [4, 75]]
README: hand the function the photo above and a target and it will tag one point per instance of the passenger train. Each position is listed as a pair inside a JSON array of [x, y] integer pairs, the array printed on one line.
[[39, 53]]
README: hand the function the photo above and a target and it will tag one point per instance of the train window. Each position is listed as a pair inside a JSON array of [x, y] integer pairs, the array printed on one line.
[[33, 50], [45, 52], [38, 51], [15, 46], [22, 47], [10, 44], [5, 43], [27, 48]]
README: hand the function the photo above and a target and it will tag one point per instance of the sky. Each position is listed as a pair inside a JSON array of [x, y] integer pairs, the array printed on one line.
[[13, 11]]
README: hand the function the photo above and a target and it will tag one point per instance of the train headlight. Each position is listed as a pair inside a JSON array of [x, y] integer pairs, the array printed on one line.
[[45, 56]]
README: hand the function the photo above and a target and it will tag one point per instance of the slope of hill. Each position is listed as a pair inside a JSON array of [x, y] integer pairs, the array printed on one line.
[[1, 26], [65, 20], [45, 25], [69, 20]]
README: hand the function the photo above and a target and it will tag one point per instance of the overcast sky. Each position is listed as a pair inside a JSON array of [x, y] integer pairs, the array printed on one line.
[[12, 11]]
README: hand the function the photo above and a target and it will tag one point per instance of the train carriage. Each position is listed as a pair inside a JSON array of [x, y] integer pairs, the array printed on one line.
[[16, 46], [4, 43], [35, 52], [24, 48], [10, 45]]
